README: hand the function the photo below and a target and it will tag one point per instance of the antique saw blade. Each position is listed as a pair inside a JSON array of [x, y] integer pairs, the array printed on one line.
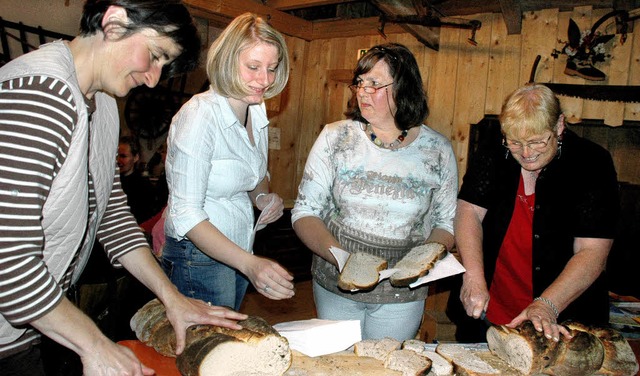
[[612, 93]]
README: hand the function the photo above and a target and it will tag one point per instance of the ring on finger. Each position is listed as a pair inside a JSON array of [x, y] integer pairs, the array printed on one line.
[[266, 288]]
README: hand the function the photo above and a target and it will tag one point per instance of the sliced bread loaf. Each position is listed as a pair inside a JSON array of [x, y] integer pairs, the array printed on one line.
[[417, 263], [523, 348], [361, 272]]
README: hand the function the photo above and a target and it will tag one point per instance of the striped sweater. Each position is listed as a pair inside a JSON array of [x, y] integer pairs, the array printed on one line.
[[37, 120]]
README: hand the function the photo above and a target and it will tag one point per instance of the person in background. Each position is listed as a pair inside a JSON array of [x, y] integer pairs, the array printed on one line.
[[217, 170], [381, 182], [535, 223], [140, 193], [60, 188]]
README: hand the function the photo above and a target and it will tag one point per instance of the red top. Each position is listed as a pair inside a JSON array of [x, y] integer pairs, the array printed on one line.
[[512, 286]]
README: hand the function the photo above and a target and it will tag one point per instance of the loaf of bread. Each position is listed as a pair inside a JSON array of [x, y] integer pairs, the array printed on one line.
[[524, 348], [361, 272], [618, 358], [256, 349], [417, 263], [590, 351]]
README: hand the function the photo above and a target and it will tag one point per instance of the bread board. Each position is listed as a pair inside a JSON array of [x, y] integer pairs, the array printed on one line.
[[338, 364]]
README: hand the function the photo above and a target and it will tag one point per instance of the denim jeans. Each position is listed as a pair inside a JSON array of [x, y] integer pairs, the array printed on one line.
[[396, 320], [198, 276]]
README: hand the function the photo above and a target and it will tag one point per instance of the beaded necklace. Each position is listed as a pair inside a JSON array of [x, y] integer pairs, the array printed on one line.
[[394, 144]]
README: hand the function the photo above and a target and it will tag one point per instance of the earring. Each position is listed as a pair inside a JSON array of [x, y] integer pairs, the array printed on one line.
[[506, 153], [559, 153]]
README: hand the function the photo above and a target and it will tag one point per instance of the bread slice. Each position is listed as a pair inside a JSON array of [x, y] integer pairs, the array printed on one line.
[[439, 365], [361, 272], [417, 263], [619, 358], [523, 348], [376, 348], [465, 362], [409, 362]]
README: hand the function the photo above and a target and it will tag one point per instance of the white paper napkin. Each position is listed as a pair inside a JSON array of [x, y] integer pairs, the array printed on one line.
[[259, 226], [317, 337], [446, 267]]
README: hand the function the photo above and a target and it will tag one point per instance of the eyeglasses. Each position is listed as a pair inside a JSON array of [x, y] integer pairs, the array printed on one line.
[[367, 89], [516, 146]]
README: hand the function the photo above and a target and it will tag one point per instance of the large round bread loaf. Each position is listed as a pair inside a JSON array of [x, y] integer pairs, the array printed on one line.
[[256, 349], [619, 359], [579, 356]]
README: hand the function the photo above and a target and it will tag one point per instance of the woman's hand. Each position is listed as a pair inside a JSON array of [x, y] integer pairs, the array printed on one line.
[[274, 211], [270, 279], [474, 295], [108, 358], [543, 319], [184, 312]]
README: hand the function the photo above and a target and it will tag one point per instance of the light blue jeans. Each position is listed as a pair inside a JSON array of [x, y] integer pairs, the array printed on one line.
[[198, 276], [396, 320]]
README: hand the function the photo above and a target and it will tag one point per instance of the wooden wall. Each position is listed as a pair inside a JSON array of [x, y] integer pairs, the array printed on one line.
[[463, 82]]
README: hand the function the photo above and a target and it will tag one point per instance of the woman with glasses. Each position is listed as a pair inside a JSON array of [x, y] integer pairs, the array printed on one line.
[[380, 182], [535, 223]]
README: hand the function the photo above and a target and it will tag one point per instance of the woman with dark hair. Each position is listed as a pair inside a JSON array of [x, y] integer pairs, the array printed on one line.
[[380, 182], [60, 188]]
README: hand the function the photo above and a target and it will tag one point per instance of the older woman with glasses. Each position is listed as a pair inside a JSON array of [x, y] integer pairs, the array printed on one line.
[[535, 223], [380, 182]]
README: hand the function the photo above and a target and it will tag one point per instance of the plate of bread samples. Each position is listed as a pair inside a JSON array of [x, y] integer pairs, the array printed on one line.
[[258, 349], [422, 264]]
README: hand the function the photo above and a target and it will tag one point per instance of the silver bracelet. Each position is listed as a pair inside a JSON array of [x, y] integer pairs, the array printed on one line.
[[549, 303]]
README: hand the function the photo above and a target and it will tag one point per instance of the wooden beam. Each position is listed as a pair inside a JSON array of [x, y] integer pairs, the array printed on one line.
[[283, 22], [512, 15], [297, 4], [429, 36], [351, 28]]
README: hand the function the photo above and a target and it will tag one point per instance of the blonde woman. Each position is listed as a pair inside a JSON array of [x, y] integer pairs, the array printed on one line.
[[217, 170]]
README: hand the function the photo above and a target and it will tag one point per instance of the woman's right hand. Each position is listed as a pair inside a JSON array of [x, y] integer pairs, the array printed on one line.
[[270, 278], [108, 358], [474, 295]]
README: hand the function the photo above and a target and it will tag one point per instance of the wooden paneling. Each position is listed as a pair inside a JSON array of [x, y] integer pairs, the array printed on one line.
[[463, 82]]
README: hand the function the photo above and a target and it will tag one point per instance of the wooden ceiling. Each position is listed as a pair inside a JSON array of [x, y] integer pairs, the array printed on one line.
[[320, 19]]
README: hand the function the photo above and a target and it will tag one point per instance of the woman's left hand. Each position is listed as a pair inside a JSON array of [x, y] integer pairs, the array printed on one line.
[[543, 319], [271, 214]]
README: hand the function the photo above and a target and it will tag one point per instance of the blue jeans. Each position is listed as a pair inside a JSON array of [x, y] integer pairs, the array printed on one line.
[[396, 320], [198, 276]]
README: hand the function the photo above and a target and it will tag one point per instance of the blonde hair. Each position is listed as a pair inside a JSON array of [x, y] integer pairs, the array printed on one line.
[[223, 56], [530, 110]]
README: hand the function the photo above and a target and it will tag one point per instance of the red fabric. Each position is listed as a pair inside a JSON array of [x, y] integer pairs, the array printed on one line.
[[512, 286]]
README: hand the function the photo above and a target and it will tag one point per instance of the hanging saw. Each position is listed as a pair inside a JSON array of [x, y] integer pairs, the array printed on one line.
[[612, 93]]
